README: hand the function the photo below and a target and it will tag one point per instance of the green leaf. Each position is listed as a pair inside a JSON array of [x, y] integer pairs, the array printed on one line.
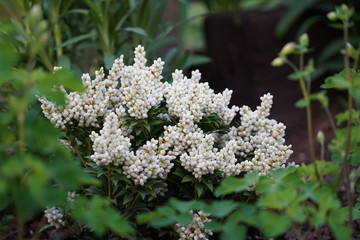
[[297, 212], [97, 214], [185, 206], [146, 217], [302, 103], [188, 178], [196, 61], [295, 75], [166, 211], [109, 60], [184, 218], [76, 39], [232, 231], [272, 199], [326, 199], [343, 117], [245, 213], [337, 223], [137, 30], [295, 9], [338, 81], [64, 62], [221, 208], [8, 57], [354, 158], [199, 188], [127, 198], [273, 224], [232, 184], [214, 226]]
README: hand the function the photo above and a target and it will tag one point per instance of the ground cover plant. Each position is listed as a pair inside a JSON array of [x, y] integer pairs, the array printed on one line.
[[134, 155]]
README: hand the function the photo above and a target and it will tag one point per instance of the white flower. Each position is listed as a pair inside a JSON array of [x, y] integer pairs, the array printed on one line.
[[190, 100], [54, 217], [71, 197], [196, 229], [141, 87], [111, 145]]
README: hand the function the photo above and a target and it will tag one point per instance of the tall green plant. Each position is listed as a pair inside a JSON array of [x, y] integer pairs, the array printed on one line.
[[32, 161]]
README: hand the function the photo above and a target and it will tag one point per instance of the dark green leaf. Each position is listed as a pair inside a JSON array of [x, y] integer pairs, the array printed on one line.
[[109, 60], [196, 61]]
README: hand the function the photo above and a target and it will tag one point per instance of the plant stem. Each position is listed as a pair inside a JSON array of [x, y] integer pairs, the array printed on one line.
[[322, 151], [349, 123], [306, 93], [56, 27], [108, 175], [73, 145], [20, 227], [331, 119]]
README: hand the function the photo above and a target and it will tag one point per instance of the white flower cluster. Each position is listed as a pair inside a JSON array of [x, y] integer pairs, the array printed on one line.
[[152, 160], [260, 140], [86, 107], [197, 152], [141, 86], [196, 229], [190, 100], [54, 217], [111, 145], [256, 145]]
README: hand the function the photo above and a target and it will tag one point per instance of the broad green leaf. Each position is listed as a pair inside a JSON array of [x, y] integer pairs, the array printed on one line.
[[297, 212], [232, 231], [166, 211], [214, 226], [232, 184], [97, 214], [183, 218], [146, 217], [326, 199], [337, 223], [185, 206], [278, 199], [245, 213], [221, 208], [273, 224]]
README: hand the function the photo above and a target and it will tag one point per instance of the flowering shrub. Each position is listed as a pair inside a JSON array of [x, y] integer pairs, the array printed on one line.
[[138, 135]]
